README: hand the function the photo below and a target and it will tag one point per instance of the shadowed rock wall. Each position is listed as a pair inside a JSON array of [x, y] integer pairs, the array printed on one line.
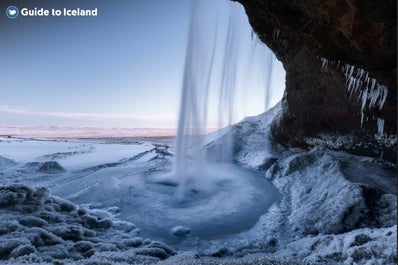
[[304, 34]]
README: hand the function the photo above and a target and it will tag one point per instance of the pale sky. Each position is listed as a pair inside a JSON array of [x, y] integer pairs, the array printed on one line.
[[123, 68]]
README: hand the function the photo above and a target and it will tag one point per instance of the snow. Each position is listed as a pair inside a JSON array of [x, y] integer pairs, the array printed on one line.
[[72, 154], [39, 228], [322, 209], [361, 246], [387, 140], [326, 207], [255, 148]]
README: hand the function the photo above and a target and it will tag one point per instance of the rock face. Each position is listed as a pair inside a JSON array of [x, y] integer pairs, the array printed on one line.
[[318, 42], [51, 167]]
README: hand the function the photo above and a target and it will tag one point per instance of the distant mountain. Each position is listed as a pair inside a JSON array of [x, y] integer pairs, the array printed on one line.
[[82, 132]]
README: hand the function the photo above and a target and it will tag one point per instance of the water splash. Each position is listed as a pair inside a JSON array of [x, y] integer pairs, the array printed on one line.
[[214, 65]]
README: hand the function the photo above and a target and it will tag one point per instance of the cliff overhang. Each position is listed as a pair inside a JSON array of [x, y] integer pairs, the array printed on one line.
[[340, 62]]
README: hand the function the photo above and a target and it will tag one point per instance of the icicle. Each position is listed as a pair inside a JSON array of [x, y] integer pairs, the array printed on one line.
[[362, 115], [351, 71], [276, 34], [364, 98], [371, 92], [384, 96], [357, 72], [351, 80], [361, 73], [367, 79], [373, 84], [324, 64], [380, 126], [360, 94], [373, 96], [347, 68], [359, 84]]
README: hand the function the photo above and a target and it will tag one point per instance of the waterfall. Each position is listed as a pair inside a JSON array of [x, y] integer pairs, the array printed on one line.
[[213, 65]]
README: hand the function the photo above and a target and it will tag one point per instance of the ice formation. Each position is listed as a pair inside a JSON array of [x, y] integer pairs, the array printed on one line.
[[380, 126], [324, 63], [371, 92]]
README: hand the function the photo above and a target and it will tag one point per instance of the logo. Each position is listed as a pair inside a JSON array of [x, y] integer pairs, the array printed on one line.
[[12, 12]]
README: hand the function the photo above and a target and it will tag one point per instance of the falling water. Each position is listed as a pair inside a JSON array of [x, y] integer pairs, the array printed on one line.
[[214, 56]]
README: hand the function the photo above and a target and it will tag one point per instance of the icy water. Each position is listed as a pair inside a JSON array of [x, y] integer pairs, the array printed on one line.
[[128, 177], [231, 202]]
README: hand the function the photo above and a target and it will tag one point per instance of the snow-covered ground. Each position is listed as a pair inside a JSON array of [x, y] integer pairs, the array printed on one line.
[[101, 202]]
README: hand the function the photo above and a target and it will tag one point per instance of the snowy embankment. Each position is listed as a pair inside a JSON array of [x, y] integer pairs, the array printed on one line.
[[37, 227], [333, 208]]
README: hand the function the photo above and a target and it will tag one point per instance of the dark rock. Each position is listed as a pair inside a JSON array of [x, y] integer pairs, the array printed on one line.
[[15, 194], [220, 253], [358, 33], [6, 246], [94, 222], [22, 250], [362, 253], [268, 163], [157, 244], [8, 227], [64, 205], [83, 246], [51, 167], [32, 221], [42, 238], [360, 240], [336, 256], [133, 242], [153, 252], [71, 232]]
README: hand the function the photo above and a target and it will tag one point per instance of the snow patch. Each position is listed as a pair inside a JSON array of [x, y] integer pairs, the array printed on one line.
[[320, 199], [38, 228]]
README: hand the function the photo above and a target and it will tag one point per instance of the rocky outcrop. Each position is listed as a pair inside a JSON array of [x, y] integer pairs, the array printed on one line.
[[319, 44]]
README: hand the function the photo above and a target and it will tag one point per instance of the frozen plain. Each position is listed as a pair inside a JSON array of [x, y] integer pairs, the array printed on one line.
[[98, 202]]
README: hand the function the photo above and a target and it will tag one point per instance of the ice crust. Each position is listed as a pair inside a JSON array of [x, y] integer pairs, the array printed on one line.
[[334, 208], [36, 227]]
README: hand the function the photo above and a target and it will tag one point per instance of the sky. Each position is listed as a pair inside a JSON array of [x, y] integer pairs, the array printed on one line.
[[123, 68]]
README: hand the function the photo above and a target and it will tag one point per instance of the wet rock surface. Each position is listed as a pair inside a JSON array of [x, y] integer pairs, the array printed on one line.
[[314, 40]]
